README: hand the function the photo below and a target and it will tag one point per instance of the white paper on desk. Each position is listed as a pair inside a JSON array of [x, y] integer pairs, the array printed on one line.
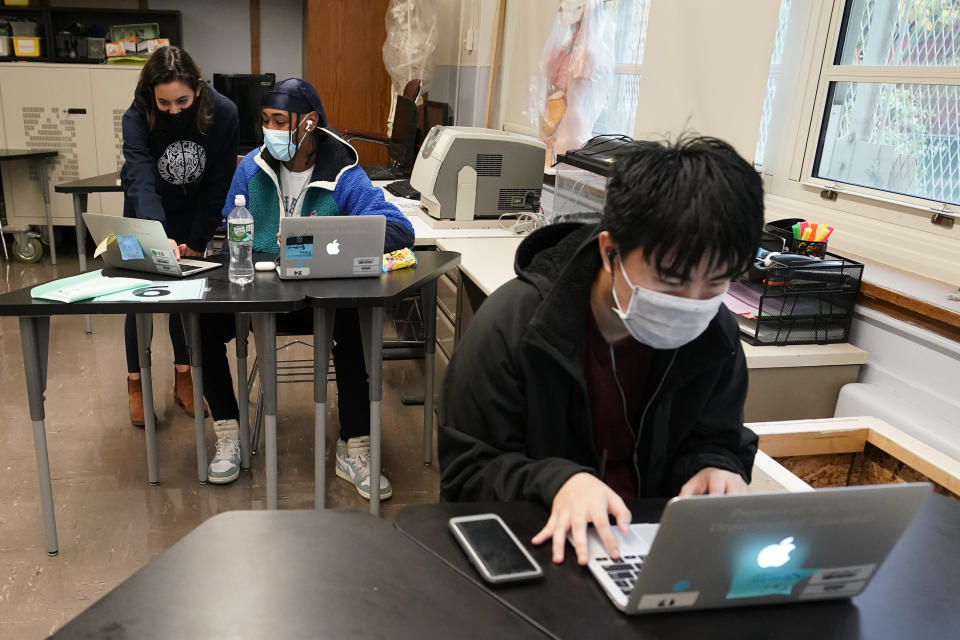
[[160, 291]]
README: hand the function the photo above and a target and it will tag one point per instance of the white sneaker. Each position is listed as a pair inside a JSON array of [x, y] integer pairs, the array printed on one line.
[[353, 464], [225, 466]]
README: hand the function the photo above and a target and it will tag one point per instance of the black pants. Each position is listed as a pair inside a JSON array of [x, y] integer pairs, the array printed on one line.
[[216, 330], [180, 355]]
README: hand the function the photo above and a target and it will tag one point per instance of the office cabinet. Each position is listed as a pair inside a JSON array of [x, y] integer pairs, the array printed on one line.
[[74, 109], [112, 96]]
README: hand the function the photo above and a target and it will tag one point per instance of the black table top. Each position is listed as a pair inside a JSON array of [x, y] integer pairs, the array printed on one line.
[[94, 184], [913, 594], [296, 574], [25, 154], [267, 294]]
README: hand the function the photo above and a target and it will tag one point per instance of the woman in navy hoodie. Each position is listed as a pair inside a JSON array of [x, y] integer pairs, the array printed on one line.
[[179, 152]]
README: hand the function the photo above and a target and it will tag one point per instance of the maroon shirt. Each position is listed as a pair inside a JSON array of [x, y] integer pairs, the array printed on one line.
[[611, 430]]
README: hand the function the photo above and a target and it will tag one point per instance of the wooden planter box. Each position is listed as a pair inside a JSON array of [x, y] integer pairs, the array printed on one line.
[[837, 452]]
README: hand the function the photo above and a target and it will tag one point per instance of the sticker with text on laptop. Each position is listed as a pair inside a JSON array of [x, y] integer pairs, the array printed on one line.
[[838, 581], [299, 248], [770, 568], [130, 248], [667, 600], [363, 266]]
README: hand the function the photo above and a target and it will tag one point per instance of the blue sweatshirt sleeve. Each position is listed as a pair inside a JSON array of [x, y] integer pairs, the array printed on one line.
[[239, 184], [357, 196], [139, 181]]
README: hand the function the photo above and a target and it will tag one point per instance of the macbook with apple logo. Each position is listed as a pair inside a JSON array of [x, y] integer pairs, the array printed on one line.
[[710, 552], [331, 247]]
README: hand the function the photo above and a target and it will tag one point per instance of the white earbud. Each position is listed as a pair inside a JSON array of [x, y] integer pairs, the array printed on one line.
[[309, 125]]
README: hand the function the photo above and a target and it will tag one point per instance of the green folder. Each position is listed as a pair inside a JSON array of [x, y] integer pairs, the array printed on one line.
[[83, 287]]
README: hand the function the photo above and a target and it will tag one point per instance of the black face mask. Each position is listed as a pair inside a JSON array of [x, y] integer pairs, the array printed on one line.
[[179, 123]]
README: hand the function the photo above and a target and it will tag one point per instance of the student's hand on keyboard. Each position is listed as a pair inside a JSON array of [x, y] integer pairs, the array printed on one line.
[[714, 481], [187, 252], [584, 499], [175, 247]]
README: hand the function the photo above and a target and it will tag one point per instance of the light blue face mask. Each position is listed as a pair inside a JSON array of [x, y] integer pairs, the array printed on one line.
[[280, 143]]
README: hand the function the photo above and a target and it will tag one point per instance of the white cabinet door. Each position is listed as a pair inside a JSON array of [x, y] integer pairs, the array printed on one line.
[[113, 89], [46, 108]]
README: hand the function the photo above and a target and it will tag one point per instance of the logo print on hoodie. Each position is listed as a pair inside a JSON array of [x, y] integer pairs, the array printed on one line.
[[182, 162]]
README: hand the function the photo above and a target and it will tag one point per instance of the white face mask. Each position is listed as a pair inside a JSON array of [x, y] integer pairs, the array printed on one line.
[[663, 321]]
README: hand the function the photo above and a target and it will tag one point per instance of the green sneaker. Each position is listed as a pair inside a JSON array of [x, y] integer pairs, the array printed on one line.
[[353, 464], [225, 466]]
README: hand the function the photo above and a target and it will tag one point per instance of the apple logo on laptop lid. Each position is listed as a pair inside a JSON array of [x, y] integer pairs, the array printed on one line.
[[333, 248], [776, 555]]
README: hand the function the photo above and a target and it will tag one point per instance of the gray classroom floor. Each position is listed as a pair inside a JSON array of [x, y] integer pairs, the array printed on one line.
[[110, 521]]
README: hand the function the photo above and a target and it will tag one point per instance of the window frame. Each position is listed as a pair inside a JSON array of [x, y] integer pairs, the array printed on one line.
[[817, 91], [628, 69]]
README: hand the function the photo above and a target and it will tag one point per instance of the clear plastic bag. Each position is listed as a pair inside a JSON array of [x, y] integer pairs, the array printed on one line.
[[569, 89], [412, 37]]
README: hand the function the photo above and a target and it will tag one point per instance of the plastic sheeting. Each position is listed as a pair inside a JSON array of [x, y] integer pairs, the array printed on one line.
[[412, 37], [569, 90]]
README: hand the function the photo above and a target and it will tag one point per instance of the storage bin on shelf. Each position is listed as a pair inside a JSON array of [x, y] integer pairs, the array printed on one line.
[[27, 47]]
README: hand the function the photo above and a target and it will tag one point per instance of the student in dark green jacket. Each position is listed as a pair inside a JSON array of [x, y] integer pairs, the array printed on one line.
[[609, 368]]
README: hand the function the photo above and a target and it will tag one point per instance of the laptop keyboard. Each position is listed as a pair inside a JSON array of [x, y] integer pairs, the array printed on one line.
[[187, 268], [624, 571]]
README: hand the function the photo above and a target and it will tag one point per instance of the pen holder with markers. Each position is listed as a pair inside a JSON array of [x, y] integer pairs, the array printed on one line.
[[811, 248]]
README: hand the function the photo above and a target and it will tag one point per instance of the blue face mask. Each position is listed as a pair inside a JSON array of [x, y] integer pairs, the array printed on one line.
[[280, 143]]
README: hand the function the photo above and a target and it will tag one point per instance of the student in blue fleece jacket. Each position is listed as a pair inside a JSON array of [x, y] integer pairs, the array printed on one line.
[[179, 151], [303, 169]]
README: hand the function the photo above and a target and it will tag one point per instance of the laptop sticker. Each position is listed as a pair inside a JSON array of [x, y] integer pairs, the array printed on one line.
[[294, 272], [106, 242], [843, 574], [668, 600], [681, 585], [363, 266], [299, 248], [832, 589], [771, 568], [130, 248], [167, 268]]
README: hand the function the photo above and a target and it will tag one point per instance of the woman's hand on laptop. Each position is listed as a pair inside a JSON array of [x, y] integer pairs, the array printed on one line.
[[713, 480], [175, 247], [584, 499], [187, 252]]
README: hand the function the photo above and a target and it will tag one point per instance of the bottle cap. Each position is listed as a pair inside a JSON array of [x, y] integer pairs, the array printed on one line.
[[239, 200]]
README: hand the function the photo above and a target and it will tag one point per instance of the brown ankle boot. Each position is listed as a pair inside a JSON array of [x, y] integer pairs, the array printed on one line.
[[136, 402], [183, 392]]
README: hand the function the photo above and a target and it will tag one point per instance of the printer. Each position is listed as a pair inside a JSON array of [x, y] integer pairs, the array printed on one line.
[[467, 173]]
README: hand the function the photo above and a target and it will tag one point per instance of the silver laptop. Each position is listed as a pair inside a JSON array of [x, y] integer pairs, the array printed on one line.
[[772, 548], [331, 246], [151, 253]]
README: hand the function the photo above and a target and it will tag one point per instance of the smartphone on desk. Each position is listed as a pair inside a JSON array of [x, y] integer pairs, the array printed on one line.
[[493, 548]]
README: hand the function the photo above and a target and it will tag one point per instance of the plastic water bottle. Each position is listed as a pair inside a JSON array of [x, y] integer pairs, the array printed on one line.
[[240, 236]]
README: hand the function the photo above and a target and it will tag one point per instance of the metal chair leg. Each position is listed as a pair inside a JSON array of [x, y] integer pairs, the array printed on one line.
[[257, 423], [254, 372]]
